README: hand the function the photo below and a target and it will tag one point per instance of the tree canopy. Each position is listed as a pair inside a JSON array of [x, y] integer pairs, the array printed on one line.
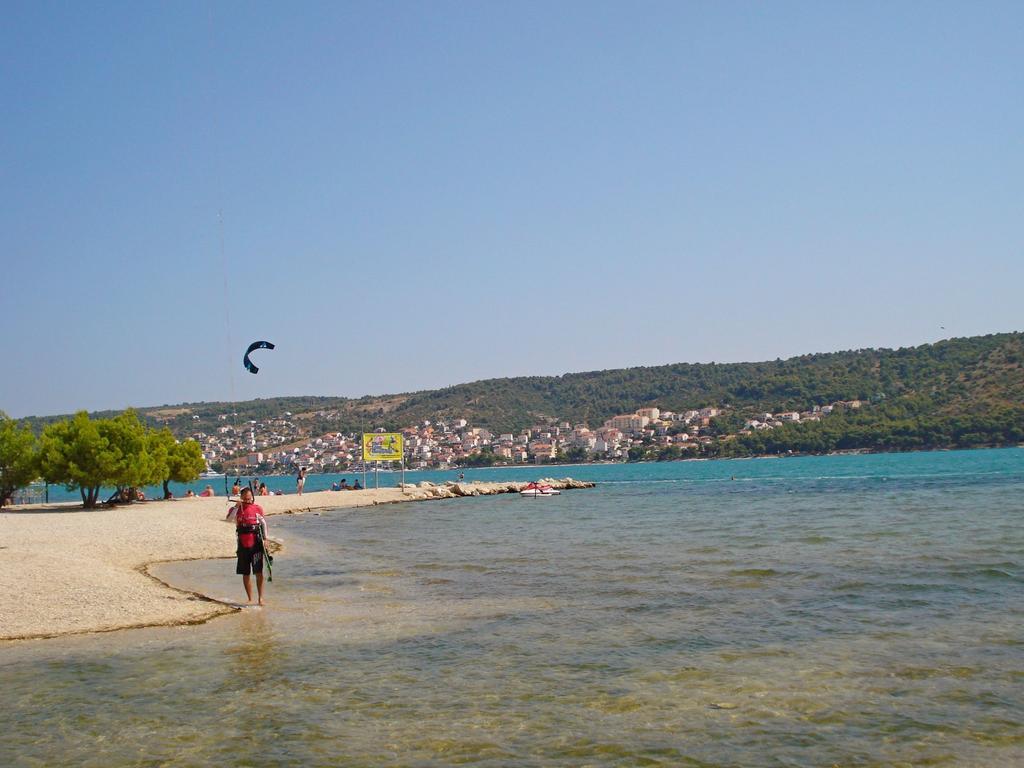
[[19, 459], [86, 454], [180, 462], [76, 454]]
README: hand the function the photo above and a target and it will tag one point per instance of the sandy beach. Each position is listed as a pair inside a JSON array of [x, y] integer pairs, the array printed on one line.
[[65, 570]]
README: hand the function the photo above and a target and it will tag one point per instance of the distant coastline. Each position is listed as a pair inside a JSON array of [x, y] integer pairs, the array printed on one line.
[[545, 465], [954, 393]]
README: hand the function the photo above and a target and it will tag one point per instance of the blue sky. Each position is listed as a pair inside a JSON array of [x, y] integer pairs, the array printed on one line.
[[420, 194]]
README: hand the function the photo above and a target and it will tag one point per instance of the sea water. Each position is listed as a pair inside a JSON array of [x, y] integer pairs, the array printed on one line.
[[843, 610]]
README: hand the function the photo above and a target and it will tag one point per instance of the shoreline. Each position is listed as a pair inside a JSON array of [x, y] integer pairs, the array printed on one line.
[[65, 570], [606, 462]]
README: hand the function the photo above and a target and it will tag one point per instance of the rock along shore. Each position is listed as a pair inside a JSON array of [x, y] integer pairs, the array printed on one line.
[[65, 570], [425, 491]]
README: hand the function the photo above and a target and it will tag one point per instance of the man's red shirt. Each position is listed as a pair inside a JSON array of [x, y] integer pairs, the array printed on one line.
[[248, 514]]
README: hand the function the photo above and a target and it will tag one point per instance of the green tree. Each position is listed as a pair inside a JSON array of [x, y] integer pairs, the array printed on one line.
[[185, 462], [484, 458], [135, 465], [19, 460], [178, 462], [77, 454], [726, 424], [575, 454]]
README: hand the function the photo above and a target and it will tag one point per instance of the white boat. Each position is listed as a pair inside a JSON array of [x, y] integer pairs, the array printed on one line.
[[210, 474], [533, 490]]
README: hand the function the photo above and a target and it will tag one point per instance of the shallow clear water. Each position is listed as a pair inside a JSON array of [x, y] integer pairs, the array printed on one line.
[[851, 610]]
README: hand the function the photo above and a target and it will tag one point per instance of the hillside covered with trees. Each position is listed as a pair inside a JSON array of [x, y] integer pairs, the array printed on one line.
[[957, 392]]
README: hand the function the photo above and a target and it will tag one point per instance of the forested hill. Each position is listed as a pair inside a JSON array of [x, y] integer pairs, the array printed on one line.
[[981, 374]]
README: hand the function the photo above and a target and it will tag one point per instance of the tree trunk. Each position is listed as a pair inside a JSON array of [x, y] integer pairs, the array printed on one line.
[[89, 496], [167, 488]]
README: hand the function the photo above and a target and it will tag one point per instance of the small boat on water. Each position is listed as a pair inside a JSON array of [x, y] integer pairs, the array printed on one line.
[[533, 490], [210, 474]]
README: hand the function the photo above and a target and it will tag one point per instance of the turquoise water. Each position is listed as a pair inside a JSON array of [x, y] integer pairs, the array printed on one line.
[[980, 462], [849, 610]]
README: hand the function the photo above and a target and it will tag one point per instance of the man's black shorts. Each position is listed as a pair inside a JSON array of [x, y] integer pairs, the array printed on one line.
[[250, 558]]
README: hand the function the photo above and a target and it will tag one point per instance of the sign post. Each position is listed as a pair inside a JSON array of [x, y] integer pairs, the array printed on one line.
[[383, 446]]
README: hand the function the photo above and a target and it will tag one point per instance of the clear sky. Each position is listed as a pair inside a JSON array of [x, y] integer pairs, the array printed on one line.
[[420, 194]]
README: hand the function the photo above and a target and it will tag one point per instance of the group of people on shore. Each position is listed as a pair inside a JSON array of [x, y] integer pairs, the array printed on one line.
[[190, 494], [254, 486], [204, 494], [344, 486], [258, 488], [126, 496]]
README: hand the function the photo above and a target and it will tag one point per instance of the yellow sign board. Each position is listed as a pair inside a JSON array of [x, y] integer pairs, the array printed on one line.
[[382, 446]]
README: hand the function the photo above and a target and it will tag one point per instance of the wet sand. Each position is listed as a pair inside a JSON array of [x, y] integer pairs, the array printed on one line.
[[65, 570]]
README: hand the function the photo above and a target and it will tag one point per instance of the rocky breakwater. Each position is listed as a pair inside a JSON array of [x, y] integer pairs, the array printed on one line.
[[426, 491]]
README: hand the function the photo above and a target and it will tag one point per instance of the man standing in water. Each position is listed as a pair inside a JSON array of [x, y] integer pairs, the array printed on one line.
[[251, 527]]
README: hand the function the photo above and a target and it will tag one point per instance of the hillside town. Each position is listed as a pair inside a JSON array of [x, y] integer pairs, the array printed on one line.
[[277, 445]]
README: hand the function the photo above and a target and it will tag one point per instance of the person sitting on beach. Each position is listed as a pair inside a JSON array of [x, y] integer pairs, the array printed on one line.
[[139, 495], [263, 490], [236, 488], [190, 494], [334, 486], [251, 530], [344, 485], [357, 486], [168, 495], [207, 492], [120, 496]]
